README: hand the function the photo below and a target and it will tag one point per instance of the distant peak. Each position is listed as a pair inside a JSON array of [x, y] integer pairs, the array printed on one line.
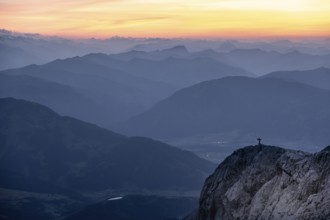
[[295, 52], [95, 54], [13, 106], [258, 148], [136, 51], [178, 48], [252, 50], [71, 60], [132, 52]]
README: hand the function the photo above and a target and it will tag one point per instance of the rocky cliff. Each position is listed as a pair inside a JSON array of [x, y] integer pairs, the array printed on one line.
[[265, 182]]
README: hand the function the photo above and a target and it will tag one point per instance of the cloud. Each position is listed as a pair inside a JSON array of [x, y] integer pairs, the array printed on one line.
[[138, 19], [169, 17]]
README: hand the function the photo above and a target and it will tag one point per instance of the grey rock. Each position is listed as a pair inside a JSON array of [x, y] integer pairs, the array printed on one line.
[[265, 182]]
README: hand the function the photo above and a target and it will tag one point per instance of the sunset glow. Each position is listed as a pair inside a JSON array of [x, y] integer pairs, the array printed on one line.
[[168, 18]]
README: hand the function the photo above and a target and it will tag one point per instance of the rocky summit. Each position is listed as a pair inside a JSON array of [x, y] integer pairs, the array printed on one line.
[[266, 182]]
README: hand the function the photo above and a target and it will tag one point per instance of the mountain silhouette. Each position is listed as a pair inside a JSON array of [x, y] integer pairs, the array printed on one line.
[[319, 77], [62, 98], [83, 157], [261, 62], [180, 71], [268, 107], [116, 95]]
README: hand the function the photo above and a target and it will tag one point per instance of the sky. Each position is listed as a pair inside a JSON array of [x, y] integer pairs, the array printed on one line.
[[168, 18]]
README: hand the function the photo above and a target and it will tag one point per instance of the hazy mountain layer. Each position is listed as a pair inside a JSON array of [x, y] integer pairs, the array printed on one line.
[[261, 62], [271, 108], [233, 62], [252, 60], [21, 49], [83, 157], [177, 67], [115, 95], [62, 98], [317, 77]]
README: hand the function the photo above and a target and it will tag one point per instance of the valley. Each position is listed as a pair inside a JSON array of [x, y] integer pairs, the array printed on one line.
[[163, 128]]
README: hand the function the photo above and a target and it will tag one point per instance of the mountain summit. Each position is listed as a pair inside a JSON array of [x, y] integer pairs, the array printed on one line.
[[265, 182]]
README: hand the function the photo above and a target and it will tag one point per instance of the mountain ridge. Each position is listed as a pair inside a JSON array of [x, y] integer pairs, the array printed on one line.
[[319, 77], [117, 95], [259, 107], [83, 157]]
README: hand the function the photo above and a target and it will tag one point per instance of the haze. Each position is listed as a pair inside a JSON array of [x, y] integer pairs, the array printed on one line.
[[155, 109]]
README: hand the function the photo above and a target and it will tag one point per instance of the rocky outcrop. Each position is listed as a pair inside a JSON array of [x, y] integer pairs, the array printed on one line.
[[265, 182]]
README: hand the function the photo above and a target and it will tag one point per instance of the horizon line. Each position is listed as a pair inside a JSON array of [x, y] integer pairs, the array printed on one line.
[[191, 37]]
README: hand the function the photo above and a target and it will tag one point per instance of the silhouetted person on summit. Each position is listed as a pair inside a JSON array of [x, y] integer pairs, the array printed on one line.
[[259, 141]]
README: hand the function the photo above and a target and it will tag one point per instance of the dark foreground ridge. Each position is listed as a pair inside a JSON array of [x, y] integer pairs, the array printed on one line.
[[76, 155], [266, 182], [52, 166]]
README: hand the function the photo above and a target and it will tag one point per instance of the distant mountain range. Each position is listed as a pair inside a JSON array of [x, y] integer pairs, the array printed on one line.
[[21, 49], [64, 99], [260, 57], [174, 66], [254, 60], [102, 89], [262, 62], [112, 88], [106, 94], [276, 109], [319, 77]]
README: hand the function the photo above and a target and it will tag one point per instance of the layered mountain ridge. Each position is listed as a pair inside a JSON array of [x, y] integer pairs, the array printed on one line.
[[273, 108], [319, 77], [111, 87], [83, 157]]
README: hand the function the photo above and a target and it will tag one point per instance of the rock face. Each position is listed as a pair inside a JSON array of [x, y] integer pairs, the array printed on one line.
[[265, 182]]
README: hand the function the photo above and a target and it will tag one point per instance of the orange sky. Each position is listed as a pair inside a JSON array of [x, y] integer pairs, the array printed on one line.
[[168, 18]]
